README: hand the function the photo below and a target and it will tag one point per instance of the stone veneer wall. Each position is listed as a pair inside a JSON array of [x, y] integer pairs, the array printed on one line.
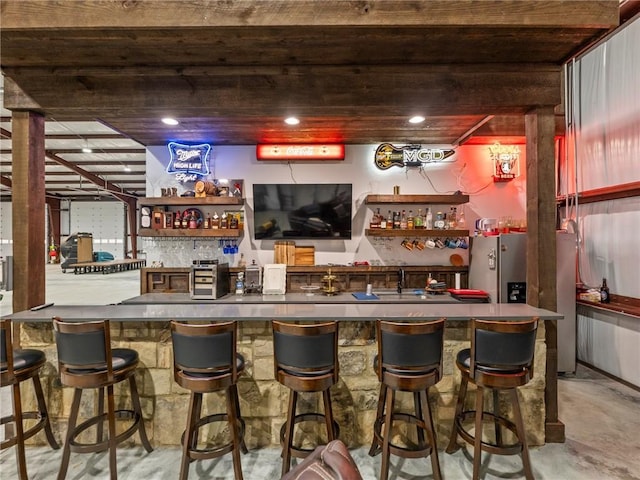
[[263, 401]]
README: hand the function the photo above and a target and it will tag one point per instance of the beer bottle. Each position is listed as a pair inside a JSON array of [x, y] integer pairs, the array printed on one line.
[[604, 292]]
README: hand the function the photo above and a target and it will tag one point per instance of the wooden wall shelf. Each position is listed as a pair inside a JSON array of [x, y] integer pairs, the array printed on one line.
[[190, 201], [190, 233], [379, 232], [417, 199]]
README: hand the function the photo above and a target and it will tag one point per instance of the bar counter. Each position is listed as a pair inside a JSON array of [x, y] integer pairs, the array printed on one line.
[[145, 328]]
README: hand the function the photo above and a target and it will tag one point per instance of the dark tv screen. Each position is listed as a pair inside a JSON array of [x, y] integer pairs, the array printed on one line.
[[310, 211]]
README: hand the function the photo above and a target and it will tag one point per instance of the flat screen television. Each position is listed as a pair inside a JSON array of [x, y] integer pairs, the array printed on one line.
[[302, 211]]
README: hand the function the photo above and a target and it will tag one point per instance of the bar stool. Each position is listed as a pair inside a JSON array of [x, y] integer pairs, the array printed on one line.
[[500, 359], [204, 361], [17, 366], [409, 360], [86, 360], [305, 360]]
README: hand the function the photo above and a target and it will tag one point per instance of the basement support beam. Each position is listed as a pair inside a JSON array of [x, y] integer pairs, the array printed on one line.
[[28, 212], [541, 249]]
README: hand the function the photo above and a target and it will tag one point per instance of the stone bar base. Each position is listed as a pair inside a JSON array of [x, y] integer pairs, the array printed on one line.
[[263, 401]]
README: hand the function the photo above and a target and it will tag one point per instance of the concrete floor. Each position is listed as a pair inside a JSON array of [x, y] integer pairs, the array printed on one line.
[[602, 419]]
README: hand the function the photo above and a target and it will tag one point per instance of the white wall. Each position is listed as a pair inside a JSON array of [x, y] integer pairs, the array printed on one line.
[[470, 170]]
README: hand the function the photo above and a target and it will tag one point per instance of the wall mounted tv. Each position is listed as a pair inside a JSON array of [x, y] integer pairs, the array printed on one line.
[[297, 211]]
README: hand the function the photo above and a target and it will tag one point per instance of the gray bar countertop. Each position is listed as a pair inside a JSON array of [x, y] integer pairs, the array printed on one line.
[[387, 297], [271, 308]]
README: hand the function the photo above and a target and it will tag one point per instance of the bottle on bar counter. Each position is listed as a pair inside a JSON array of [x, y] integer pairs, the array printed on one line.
[[604, 292]]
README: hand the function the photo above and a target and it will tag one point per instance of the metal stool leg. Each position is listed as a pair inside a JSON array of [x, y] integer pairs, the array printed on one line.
[[521, 434], [375, 446], [386, 437], [17, 417], [73, 419], [431, 433], [235, 436], [111, 416], [477, 446], [42, 408], [135, 400], [462, 393], [288, 436]]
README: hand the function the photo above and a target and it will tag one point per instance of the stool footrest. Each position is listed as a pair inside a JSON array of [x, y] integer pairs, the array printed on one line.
[[218, 450], [27, 434], [499, 449], [299, 452], [80, 447], [422, 449]]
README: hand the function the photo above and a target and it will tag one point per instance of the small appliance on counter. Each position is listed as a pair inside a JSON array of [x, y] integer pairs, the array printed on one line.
[[209, 280], [274, 279], [252, 278]]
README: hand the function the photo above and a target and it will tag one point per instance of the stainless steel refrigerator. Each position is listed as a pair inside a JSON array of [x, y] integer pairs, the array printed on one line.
[[497, 264]]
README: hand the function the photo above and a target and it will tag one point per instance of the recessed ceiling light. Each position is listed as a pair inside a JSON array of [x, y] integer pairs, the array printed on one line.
[[416, 119], [86, 150], [291, 121], [170, 121], [126, 169]]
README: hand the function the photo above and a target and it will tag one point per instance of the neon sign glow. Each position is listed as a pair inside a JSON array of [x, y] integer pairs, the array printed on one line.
[[188, 162]]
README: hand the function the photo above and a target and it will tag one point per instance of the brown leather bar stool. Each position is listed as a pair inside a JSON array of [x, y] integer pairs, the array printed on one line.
[[86, 360], [500, 359], [204, 361], [17, 366], [305, 360], [409, 360]]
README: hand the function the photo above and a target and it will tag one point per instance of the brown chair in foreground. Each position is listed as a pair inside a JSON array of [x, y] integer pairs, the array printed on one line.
[[86, 360], [17, 366], [331, 461], [204, 361], [409, 360], [305, 360], [500, 359]]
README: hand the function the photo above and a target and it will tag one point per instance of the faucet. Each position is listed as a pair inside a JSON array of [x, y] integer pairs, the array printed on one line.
[[401, 280]]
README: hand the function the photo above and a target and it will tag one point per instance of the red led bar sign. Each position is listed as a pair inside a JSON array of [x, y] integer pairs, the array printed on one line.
[[284, 152]]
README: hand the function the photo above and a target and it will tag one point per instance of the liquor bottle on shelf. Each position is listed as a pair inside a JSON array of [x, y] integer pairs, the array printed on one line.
[[428, 223], [410, 221], [403, 220], [233, 223], [604, 292], [453, 218], [383, 221], [389, 220], [396, 220], [417, 221], [207, 222], [215, 221], [193, 220], [185, 219], [224, 220], [177, 220]]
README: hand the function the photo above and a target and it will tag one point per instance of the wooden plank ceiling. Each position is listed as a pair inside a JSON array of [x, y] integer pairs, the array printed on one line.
[[231, 71]]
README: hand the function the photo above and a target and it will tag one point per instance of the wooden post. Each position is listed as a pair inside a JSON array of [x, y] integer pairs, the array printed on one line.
[[541, 248], [28, 212]]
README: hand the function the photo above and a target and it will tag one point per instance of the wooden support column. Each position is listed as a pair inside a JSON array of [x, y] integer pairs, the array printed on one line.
[[28, 210], [541, 248], [54, 221]]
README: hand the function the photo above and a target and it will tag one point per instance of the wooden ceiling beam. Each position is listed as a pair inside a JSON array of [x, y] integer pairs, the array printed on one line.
[[325, 90], [35, 14]]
